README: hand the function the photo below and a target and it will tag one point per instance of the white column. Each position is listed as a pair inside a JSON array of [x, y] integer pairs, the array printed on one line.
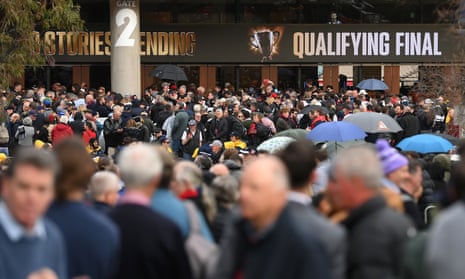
[[125, 46]]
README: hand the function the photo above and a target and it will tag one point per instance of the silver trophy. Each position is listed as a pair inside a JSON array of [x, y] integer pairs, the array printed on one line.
[[265, 42]]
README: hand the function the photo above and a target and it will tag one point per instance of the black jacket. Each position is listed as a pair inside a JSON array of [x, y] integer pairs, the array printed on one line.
[[151, 245], [219, 129], [410, 125], [283, 251], [377, 235]]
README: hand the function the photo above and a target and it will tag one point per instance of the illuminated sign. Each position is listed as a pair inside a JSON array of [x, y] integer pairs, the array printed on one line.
[[99, 43], [299, 43]]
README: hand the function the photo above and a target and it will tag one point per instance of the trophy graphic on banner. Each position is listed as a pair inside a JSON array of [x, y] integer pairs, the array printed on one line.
[[265, 43]]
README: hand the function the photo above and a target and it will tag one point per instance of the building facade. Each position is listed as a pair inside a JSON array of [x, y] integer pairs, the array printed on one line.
[[295, 42]]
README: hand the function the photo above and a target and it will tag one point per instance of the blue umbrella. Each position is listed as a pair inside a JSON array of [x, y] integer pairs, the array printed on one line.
[[372, 84], [336, 131], [425, 143]]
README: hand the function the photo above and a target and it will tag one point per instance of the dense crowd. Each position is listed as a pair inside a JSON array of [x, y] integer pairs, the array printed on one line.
[[175, 184]]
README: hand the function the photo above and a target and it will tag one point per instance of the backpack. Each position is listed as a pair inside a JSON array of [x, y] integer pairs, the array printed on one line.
[[4, 135], [202, 253], [263, 131], [237, 127], [21, 132]]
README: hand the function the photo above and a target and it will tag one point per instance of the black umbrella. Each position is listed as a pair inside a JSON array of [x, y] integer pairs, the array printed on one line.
[[169, 72], [307, 109]]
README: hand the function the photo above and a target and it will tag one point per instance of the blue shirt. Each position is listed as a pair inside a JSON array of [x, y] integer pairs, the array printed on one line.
[[23, 252], [15, 231], [168, 205]]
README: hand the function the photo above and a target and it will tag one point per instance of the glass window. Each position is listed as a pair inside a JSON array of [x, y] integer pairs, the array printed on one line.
[[192, 73], [365, 72], [49, 75], [225, 74], [100, 75], [250, 77], [309, 76], [288, 77]]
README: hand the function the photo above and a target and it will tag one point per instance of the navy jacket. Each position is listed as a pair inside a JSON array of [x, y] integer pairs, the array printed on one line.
[[151, 245], [92, 240]]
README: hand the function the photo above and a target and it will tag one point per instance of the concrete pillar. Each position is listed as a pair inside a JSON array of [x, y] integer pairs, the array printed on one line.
[[125, 46]]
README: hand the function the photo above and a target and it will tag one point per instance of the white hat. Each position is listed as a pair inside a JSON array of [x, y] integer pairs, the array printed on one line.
[[362, 92], [64, 119], [429, 101]]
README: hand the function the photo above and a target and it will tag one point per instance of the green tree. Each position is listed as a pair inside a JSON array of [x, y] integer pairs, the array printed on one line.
[[18, 20]]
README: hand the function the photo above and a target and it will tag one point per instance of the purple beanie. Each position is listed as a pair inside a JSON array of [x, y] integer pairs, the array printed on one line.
[[391, 159]]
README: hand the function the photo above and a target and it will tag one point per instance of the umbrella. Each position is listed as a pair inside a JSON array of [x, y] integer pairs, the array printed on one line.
[[296, 134], [274, 144], [307, 109], [169, 72], [333, 147], [425, 143], [372, 84], [375, 123], [336, 131], [448, 137]]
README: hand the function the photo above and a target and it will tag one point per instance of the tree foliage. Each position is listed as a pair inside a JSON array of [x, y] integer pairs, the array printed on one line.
[[18, 20]]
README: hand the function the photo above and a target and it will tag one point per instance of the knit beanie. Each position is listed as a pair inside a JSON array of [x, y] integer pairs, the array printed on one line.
[[391, 159], [443, 160]]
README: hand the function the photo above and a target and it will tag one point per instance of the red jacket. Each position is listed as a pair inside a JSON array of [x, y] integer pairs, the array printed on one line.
[[60, 132], [318, 120], [87, 135]]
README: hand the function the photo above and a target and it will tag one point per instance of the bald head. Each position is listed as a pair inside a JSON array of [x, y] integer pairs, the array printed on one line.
[[219, 170], [263, 192]]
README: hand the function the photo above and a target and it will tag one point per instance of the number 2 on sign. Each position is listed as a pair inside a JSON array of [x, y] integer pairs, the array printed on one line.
[[125, 39]]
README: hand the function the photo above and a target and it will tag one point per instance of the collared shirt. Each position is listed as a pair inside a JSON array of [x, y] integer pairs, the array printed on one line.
[[16, 231], [299, 198], [134, 198], [391, 185]]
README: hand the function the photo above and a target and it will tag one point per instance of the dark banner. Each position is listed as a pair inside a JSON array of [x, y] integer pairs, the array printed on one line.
[[257, 44]]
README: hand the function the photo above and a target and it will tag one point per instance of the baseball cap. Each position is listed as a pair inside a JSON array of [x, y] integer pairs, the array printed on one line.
[[192, 122], [216, 143]]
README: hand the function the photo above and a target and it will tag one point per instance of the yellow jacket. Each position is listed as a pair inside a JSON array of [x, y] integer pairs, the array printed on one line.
[[235, 144]]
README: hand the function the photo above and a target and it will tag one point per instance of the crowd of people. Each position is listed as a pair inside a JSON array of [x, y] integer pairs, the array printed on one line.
[[171, 185]]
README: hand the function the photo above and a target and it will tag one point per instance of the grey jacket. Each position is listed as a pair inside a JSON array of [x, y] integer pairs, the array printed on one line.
[[25, 135], [179, 124], [446, 249], [377, 236], [331, 235]]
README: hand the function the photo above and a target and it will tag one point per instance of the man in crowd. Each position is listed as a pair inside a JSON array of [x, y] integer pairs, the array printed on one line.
[[376, 233], [179, 125], [155, 240], [396, 170], [268, 241], [29, 243], [103, 189], [445, 248], [219, 127], [300, 160], [113, 131]]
